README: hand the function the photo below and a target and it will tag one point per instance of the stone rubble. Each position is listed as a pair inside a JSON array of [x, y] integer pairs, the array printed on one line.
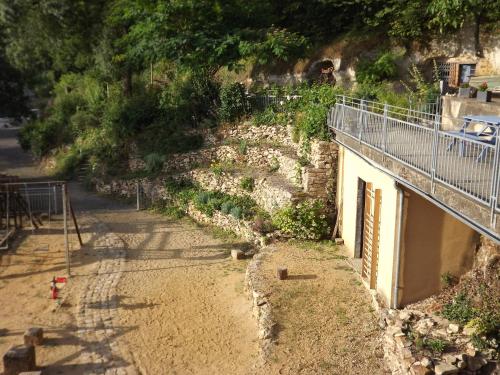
[[403, 357]]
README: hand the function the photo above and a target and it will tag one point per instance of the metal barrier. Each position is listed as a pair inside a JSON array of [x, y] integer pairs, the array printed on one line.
[[262, 102], [417, 140]]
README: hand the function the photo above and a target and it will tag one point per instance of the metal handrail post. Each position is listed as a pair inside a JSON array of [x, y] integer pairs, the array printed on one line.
[[384, 130], [343, 112], [495, 181], [361, 119], [434, 156], [65, 221]]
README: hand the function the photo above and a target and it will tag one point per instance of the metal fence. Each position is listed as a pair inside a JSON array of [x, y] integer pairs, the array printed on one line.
[[277, 102], [424, 142]]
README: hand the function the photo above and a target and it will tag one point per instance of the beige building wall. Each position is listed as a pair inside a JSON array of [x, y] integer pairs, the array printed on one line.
[[434, 243], [352, 167]]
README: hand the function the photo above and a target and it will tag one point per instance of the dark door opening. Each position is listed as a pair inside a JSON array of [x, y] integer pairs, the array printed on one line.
[[360, 222]]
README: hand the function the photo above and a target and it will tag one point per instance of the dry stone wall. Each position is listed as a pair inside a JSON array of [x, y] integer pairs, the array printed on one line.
[[403, 357]]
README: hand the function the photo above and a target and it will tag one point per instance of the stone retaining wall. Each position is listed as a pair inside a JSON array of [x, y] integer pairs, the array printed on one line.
[[261, 308]]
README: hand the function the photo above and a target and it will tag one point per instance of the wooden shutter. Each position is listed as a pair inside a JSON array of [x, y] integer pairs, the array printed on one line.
[[454, 78], [371, 235]]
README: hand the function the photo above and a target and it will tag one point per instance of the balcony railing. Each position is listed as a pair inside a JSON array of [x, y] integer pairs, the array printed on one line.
[[417, 139]]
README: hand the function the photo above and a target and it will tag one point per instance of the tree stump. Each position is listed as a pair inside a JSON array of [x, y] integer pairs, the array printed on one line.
[[19, 359], [237, 254], [33, 336], [282, 273]]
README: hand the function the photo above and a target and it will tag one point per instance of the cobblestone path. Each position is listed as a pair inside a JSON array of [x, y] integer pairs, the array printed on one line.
[[96, 311]]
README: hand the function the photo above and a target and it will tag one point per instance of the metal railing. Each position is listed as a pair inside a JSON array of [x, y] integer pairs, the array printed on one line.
[[418, 140], [277, 102]]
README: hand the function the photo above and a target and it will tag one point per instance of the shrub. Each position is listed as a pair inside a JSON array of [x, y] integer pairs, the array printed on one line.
[[268, 117], [460, 310], [247, 183], [202, 198], [226, 207], [381, 68], [483, 86], [154, 162], [237, 212], [305, 220], [243, 147], [447, 279], [274, 166], [437, 346], [233, 102]]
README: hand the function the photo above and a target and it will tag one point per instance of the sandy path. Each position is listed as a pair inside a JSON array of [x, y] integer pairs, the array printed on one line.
[[146, 295], [184, 297]]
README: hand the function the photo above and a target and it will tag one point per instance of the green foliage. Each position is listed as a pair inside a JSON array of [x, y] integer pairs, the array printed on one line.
[[236, 212], [274, 165], [460, 310], [306, 220], [268, 117], [447, 279], [154, 162], [233, 102], [243, 147], [247, 183], [226, 207], [437, 346], [210, 201], [382, 67], [312, 109]]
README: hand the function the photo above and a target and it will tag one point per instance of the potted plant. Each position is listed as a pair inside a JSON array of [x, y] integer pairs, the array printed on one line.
[[464, 90], [483, 95]]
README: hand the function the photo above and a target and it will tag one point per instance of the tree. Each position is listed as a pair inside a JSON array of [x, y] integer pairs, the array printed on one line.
[[452, 14]]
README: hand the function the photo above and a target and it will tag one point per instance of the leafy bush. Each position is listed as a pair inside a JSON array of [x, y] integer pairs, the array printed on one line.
[[305, 220], [233, 102], [269, 117], [437, 346], [247, 183], [460, 310], [237, 212], [381, 68], [226, 207]]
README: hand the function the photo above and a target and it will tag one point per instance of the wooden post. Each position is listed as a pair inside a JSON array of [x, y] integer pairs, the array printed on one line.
[[65, 218]]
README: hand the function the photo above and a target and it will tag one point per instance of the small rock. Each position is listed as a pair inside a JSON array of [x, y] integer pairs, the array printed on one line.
[[405, 315], [469, 331], [339, 241], [453, 328], [237, 254], [444, 368], [426, 362], [475, 363], [418, 369]]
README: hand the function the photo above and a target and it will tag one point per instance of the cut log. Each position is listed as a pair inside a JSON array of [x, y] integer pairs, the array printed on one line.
[[19, 359], [237, 254], [282, 273]]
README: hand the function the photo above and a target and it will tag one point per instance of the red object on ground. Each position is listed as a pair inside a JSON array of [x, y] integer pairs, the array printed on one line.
[[61, 279], [54, 293]]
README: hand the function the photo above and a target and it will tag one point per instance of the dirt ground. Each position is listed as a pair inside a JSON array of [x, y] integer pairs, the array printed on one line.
[[151, 295], [326, 322]]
